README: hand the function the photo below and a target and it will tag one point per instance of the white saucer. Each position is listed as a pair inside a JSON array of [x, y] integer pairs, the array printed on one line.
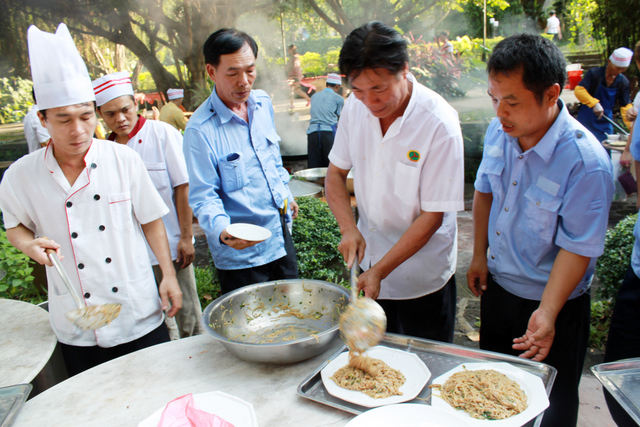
[[249, 232]]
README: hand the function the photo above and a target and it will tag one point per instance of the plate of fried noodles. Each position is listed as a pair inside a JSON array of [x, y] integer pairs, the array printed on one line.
[[490, 394], [392, 376]]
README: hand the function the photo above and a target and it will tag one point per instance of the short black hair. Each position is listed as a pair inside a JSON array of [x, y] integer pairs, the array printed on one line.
[[444, 33], [226, 41], [540, 61], [332, 85], [373, 45]]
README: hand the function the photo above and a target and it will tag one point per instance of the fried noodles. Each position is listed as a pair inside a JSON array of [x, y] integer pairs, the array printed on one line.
[[484, 394], [357, 375]]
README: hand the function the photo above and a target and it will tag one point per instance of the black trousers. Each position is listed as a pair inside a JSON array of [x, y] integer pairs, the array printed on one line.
[[319, 145], [79, 359], [431, 316], [504, 316], [282, 268], [624, 337]]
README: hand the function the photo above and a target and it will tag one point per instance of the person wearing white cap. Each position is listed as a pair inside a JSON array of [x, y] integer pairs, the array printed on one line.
[[325, 111], [173, 112], [160, 147], [599, 90], [96, 202]]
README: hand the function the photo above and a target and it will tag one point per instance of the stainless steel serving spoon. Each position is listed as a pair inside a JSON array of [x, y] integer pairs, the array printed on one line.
[[363, 323]]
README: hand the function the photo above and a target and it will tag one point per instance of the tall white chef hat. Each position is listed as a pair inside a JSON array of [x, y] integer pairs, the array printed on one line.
[[621, 57], [334, 78], [112, 86], [60, 77], [175, 93]]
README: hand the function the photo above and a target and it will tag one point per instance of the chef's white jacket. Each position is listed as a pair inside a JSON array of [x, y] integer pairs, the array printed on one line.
[[97, 223], [160, 147], [417, 165]]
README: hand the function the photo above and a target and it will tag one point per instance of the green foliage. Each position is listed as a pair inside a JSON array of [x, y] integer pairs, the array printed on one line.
[[322, 45], [600, 322], [201, 93], [18, 282], [577, 17], [450, 77], [619, 19], [15, 99], [316, 237], [613, 263], [207, 284]]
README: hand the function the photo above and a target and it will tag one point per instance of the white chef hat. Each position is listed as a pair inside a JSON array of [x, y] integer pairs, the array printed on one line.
[[112, 86], [175, 93], [60, 76], [621, 57], [334, 78]]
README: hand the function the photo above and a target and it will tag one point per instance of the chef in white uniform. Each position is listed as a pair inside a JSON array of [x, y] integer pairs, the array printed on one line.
[[160, 147], [95, 201]]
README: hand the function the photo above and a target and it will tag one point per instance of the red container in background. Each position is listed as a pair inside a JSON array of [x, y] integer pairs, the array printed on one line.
[[574, 78]]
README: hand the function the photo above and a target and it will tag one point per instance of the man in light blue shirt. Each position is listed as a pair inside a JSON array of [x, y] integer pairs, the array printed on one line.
[[326, 107], [235, 168], [540, 212], [624, 332]]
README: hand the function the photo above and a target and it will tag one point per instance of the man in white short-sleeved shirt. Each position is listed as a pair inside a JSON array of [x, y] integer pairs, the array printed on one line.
[[404, 144]]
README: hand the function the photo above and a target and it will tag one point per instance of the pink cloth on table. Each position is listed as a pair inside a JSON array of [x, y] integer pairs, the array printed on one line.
[[183, 412]]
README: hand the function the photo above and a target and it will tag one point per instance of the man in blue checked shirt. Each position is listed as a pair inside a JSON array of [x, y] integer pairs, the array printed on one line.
[[540, 213], [235, 168]]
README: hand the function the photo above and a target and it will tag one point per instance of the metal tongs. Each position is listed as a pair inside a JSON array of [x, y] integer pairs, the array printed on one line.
[[624, 132], [85, 317], [363, 323]]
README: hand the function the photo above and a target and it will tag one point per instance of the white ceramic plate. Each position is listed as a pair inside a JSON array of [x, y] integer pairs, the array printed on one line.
[[531, 385], [250, 232], [407, 415], [233, 409], [414, 370]]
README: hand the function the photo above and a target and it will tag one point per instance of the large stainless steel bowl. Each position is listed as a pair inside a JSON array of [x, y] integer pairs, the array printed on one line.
[[317, 176], [284, 321]]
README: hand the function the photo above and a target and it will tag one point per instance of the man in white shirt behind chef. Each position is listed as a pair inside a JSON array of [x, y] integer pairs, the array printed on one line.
[[36, 135], [160, 147], [94, 200], [404, 144]]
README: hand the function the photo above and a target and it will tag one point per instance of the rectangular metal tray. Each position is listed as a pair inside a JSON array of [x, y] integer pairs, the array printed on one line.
[[622, 380], [438, 356], [11, 400]]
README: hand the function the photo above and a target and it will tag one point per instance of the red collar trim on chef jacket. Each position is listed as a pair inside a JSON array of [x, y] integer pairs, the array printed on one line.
[[141, 120]]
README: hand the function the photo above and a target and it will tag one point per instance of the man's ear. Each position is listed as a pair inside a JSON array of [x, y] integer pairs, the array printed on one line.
[[552, 94], [42, 119]]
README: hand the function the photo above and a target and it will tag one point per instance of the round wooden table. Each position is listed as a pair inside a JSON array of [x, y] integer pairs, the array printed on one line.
[[26, 341], [125, 391]]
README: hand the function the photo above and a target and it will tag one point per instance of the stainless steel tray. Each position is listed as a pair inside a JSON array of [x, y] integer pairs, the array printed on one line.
[[622, 380], [439, 358], [11, 400]]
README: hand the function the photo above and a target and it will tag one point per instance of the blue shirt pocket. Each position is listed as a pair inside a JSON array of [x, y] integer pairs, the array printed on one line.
[[492, 168], [233, 173], [541, 213]]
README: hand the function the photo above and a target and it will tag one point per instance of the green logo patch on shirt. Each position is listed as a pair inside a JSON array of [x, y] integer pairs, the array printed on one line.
[[413, 155]]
